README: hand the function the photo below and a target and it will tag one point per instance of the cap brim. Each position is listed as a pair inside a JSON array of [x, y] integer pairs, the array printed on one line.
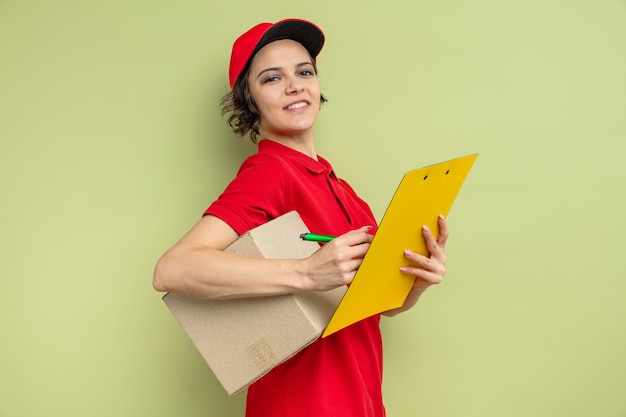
[[306, 33]]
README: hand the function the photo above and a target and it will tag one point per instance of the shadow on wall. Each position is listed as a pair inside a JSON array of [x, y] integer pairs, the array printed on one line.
[[222, 143]]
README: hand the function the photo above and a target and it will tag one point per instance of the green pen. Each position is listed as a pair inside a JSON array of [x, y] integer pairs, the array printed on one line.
[[312, 237]]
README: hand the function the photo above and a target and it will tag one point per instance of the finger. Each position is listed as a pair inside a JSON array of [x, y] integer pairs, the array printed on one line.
[[443, 231], [431, 244], [359, 251], [357, 236], [431, 264], [429, 277], [348, 247], [347, 270]]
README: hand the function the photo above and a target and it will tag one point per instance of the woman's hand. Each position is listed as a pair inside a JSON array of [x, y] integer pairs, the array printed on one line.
[[428, 270], [431, 268], [337, 261]]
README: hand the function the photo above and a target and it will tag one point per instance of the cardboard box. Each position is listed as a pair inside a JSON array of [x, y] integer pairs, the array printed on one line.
[[243, 339]]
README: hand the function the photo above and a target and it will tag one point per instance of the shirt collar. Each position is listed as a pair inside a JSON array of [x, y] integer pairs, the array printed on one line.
[[318, 167]]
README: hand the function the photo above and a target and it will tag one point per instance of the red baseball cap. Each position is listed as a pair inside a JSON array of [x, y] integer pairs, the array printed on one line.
[[248, 44]]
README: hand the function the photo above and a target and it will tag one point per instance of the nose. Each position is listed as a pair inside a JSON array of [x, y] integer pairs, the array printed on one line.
[[294, 85]]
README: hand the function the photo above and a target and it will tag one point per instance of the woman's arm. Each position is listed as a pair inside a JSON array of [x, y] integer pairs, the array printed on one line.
[[430, 269], [197, 266]]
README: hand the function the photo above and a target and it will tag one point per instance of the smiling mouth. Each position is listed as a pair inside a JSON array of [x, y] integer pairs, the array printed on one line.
[[297, 105]]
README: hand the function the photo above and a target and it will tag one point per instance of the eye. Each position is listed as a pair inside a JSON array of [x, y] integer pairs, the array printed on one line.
[[271, 79], [307, 72]]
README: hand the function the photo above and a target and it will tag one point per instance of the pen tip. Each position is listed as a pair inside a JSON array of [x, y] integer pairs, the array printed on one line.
[[303, 235]]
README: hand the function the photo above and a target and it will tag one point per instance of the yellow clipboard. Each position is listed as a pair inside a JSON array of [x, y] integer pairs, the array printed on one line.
[[379, 285]]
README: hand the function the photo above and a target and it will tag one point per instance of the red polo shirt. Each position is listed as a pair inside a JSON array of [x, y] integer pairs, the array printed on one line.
[[340, 375]]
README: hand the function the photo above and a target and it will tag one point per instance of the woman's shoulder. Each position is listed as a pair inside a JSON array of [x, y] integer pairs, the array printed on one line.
[[262, 162], [261, 169]]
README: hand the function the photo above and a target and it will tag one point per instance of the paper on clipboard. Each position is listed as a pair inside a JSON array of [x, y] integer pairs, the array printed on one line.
[[379, 285]]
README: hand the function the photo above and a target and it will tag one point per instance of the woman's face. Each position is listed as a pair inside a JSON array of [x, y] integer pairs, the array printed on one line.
[[285, 88]]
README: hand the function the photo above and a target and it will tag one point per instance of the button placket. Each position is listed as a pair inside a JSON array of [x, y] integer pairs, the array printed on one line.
[[333, 183]]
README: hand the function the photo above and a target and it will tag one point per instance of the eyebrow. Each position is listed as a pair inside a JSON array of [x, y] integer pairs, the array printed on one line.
[[302, 64]]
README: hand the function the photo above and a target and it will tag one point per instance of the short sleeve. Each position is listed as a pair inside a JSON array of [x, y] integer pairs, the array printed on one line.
[[255, 196]]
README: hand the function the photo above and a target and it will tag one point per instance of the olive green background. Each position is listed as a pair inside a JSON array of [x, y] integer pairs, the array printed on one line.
[[112, 146]]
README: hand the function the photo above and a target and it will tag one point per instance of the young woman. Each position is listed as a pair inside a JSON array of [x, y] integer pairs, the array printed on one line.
[[276, 98]]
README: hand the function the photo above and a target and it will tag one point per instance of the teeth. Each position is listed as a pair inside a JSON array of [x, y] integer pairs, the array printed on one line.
[[297, 105]]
